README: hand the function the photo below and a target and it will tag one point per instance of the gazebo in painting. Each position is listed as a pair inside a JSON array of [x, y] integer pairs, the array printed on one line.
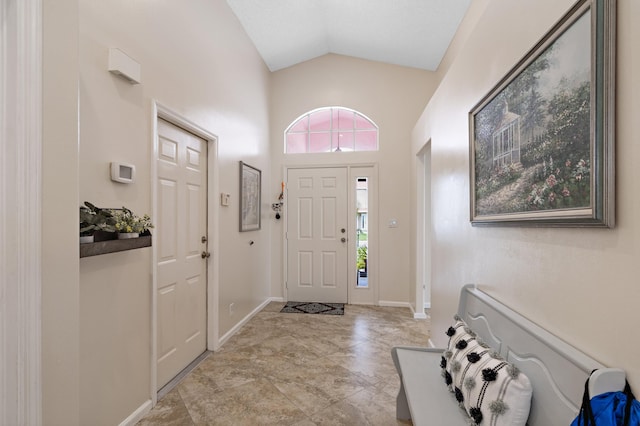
[[506, 140]]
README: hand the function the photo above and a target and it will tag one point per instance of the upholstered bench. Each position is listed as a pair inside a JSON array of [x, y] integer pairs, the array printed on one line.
[[545, 374]]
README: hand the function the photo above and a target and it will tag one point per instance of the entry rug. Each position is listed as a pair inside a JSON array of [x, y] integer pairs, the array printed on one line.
[[314, 308]]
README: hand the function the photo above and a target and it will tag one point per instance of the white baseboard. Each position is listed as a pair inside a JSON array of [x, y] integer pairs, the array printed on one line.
[[137, 415], [276, 299], [242, 322], [418, 315], [390, 304]]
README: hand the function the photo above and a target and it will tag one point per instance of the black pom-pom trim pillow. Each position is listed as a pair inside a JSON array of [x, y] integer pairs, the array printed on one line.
[[492, 391], [496, 392], [462, 340]]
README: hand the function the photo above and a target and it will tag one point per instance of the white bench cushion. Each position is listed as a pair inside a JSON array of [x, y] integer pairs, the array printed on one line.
[[429, 400]]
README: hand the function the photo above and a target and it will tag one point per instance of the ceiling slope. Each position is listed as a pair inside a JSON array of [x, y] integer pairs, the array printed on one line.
[[412, 33]]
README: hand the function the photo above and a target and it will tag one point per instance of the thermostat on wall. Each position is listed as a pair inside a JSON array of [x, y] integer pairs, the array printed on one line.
[[123, 173]]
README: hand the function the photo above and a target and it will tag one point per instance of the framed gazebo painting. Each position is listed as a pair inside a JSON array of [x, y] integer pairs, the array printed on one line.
[[542, 140]]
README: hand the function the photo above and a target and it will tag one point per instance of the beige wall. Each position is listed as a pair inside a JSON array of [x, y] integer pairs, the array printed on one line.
[[197, 61], [581, 284], [60, 276], [464, 31], [392, 97]]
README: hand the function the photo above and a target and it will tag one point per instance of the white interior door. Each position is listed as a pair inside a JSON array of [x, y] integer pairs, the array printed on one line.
[[317, 235], [182, 268]]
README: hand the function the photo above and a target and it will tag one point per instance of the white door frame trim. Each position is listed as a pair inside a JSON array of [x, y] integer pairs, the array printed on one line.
[[163, 112], [350, 226], [423, 230], [20, 212]]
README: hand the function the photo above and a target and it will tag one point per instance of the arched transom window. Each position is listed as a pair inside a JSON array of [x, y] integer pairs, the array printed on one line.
[[331, 129]]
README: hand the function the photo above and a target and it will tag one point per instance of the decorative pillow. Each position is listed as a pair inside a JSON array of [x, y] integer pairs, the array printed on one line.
[[462, 340], [491, 390]]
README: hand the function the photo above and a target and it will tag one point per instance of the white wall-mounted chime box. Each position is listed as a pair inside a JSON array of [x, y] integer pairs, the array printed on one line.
[[124, 66], [123, 173]]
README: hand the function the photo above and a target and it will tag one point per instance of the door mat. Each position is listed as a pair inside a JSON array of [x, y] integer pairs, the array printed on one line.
[[314, 308]]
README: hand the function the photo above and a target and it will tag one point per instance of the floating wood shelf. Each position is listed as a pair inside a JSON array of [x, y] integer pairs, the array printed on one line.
[[112, 246]]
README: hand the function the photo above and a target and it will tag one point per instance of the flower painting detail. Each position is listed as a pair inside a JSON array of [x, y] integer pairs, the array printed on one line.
[[532, 141]]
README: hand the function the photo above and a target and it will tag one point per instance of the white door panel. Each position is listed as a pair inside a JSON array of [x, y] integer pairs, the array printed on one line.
[[316, 253], [181, 270], [166, 327]]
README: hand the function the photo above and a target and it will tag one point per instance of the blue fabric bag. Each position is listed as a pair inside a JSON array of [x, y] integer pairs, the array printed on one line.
[[608, 409]]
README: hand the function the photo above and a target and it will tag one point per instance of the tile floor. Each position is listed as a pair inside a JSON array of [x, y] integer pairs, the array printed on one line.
[[298, 369]]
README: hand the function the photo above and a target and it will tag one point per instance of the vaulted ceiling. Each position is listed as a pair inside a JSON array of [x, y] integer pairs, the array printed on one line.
[[412, 33]]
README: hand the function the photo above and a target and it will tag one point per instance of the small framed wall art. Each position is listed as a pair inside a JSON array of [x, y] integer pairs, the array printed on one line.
[[250, 197]]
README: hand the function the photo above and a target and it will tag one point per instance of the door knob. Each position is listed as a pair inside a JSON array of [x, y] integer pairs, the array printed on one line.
[[203, 239], [205, 254], [343, 230], [343, 239]]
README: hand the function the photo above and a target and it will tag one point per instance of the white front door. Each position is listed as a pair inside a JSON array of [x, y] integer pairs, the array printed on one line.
[[181, 269], [317, 235]]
